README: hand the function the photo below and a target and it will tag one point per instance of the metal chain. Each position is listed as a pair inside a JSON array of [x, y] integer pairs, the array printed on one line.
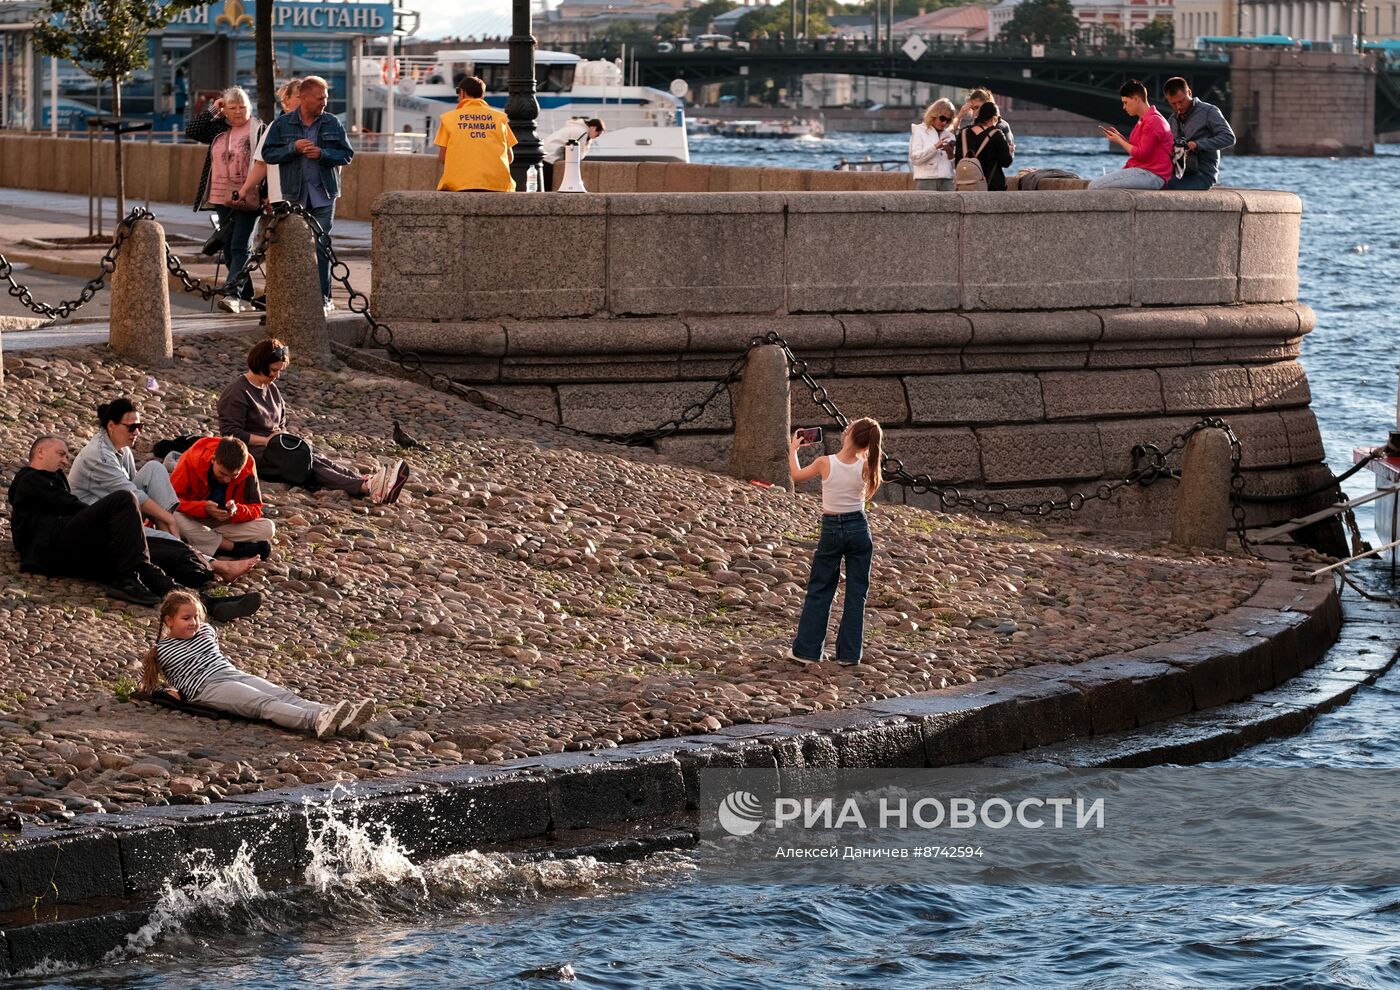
[[108, 265], [192, 283], [1149, 461]]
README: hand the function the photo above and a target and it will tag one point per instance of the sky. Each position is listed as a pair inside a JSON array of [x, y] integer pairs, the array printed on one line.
[[453, 18]]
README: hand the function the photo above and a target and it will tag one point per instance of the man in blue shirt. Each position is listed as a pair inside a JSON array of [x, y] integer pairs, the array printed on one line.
[[1202, 130], [309, 146]]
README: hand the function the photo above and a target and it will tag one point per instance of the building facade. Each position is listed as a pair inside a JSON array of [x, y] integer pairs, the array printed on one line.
[[1321, 22]]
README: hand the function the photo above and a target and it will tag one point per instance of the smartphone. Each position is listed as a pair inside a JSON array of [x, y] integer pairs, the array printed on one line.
[[810, 435]]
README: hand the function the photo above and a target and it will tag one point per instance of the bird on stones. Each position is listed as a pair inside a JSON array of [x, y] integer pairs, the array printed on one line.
[[404, 440]]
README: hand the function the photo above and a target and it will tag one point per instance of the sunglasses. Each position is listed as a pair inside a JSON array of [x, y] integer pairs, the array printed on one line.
[[943, 118], [133, 427]]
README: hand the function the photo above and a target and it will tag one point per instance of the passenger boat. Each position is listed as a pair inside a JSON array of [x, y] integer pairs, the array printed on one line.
[[643, 124]]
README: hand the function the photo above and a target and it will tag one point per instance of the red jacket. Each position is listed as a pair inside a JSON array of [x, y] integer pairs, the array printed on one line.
[[193, 474]]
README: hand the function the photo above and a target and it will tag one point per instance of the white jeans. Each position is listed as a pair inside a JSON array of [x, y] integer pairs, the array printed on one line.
[[154, 481], [1128, 178], [252, 697]]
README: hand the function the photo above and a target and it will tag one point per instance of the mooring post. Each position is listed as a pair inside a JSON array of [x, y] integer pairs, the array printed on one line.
[[763, 419], [140, 315], [295, 311], [1202, 516]]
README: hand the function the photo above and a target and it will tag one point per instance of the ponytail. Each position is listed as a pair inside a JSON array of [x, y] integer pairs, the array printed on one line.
[[150, 665], [867, 436]]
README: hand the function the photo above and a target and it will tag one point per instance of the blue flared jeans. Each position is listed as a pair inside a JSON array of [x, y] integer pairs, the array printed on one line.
[[240, 224], [845, 537]]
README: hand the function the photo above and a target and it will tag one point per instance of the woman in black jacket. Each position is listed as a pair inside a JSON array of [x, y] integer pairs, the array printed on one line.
[[986, 142]]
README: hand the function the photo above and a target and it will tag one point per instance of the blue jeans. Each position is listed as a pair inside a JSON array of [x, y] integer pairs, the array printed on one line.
[[240, 224], [844, 537], [325, 216], [1127, 178], [1200, 182]]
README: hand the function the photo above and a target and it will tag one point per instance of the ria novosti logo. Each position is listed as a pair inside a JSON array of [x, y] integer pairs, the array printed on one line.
[[740, 813]]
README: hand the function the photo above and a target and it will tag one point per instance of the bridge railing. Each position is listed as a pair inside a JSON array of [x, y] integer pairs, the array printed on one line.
[[836, 45]]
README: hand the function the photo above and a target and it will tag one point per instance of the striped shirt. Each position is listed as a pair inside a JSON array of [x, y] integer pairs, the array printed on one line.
[[188, 663]]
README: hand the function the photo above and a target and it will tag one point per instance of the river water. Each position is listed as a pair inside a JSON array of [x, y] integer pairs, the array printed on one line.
[[373, 920]]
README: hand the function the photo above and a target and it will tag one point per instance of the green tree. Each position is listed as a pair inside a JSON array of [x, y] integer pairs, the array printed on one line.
[[779, 18], [107, 38], [694, 21], [905, 8], [1042, 22], [1159, 34]]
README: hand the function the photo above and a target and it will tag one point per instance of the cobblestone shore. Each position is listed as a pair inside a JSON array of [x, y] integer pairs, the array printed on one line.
[[529, 594]]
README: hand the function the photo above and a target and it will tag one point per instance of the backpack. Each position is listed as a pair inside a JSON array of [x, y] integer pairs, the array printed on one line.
[[967, 174]]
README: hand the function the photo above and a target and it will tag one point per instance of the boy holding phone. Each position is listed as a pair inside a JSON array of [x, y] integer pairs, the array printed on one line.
[[1149, 148]]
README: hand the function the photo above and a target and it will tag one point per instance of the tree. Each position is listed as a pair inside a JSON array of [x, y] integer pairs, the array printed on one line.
[[1159, 34], [694, 21], [1042, 22], [107, 38], [267, 85], [779, 18]]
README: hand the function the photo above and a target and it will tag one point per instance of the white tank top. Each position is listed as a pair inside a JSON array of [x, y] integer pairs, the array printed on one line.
[[843, 489]]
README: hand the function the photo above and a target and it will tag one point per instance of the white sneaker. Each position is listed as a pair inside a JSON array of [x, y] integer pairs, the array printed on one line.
[[382, 481], [329, 720], [329, 307], [230, 305]]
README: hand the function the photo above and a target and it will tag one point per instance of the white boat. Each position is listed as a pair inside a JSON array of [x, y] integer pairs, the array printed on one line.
[[1385, 465], [764, 128], [643, 124]]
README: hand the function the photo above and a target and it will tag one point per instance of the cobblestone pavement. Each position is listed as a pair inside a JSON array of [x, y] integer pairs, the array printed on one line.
[[529, 594]]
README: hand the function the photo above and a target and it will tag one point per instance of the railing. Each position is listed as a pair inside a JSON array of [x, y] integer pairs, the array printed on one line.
[[934, 47]]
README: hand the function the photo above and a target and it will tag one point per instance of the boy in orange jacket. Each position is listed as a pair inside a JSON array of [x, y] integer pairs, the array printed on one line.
[[220, 509]]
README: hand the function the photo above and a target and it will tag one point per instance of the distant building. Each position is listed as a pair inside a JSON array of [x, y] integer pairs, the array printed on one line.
[[1099, 20], [585, 20], [968, 23], [1326, 22]]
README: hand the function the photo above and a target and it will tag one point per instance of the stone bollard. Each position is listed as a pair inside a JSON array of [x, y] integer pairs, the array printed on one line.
[[1203, 498], [140, 315], [295, 312], [763, 419]]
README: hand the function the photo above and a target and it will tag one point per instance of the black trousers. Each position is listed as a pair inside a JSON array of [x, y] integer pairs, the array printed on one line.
[[181, 561], [103, 542]]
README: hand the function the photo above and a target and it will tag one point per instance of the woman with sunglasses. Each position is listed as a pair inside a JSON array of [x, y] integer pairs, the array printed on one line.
[[931, 148]]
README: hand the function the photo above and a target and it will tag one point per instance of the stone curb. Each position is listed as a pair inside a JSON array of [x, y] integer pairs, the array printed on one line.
[[97, 861]]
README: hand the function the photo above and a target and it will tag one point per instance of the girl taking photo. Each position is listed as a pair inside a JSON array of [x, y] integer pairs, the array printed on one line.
[[850, 478], [187, 654]]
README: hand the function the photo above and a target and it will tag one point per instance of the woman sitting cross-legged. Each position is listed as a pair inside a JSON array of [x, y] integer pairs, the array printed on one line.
[[186, 653], [252, 409], [220, 508]]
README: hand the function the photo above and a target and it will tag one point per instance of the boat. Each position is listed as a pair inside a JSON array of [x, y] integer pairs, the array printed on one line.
[[643, 124], [1385, 465], [765, 128]]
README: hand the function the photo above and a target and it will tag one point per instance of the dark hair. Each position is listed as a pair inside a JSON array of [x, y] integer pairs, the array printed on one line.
[[866, 434], [265, 353], [1133, 88], [986, 112], [40, 441], [596, 124], [471, 87], [1175, 85], [114, 411], [231, 454]]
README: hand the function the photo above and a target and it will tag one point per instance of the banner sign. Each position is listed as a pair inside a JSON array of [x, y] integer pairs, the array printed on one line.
[[288, 17]]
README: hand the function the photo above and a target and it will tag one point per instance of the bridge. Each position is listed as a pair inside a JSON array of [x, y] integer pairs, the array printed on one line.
[[1081, 81]]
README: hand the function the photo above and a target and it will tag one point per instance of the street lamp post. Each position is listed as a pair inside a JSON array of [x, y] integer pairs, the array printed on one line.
[[521, 106]]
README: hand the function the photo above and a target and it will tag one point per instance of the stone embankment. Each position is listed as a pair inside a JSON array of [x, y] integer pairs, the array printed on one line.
[[526, 597], [594, 625]]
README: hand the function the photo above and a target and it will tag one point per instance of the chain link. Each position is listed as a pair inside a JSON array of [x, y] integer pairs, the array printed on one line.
[[192, 283], [1149, 462], [107, 265]]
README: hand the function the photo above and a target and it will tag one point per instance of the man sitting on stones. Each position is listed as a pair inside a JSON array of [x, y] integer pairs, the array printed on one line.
[[106, 464], [1201, 130], [220, 510], [56, 534]]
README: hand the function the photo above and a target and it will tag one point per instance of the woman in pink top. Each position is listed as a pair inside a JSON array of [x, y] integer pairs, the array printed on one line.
[[1149, 148], [232, 133]]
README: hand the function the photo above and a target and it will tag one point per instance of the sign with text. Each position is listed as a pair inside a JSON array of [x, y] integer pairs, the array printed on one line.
[[288, 16]]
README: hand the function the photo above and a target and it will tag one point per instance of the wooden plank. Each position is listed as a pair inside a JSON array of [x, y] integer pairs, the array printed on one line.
[[1321, 514]]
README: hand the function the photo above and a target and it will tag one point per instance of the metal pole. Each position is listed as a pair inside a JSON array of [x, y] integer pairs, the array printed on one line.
[[53, 96], [4, 80], [390, 87], [521, 106], [91, 172]]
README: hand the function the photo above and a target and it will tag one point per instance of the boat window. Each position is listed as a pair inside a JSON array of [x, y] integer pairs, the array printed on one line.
[[554, 78], [494, 76]]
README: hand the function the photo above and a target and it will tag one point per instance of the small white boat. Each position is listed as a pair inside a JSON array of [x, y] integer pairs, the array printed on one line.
[[794, 128], [643, 124]]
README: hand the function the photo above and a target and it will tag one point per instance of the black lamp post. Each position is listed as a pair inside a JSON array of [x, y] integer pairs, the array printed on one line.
[[521, 106]]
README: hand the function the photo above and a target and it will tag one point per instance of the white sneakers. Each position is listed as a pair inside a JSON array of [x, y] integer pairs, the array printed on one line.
[[329, 720], [386, 484], [230, 305]]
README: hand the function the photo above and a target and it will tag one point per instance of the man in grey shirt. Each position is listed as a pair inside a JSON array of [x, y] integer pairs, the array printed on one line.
[[1204, 132]]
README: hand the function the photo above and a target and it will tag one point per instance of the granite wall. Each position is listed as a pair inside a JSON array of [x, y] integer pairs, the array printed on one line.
[[1015, 343]]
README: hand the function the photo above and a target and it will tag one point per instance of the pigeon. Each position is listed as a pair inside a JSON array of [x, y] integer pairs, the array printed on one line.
[[404, 440]]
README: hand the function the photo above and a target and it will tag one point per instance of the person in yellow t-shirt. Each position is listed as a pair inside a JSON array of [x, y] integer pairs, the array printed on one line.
[[474, 143]]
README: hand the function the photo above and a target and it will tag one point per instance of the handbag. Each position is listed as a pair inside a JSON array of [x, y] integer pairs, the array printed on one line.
[[286, 458], [216, 243]]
